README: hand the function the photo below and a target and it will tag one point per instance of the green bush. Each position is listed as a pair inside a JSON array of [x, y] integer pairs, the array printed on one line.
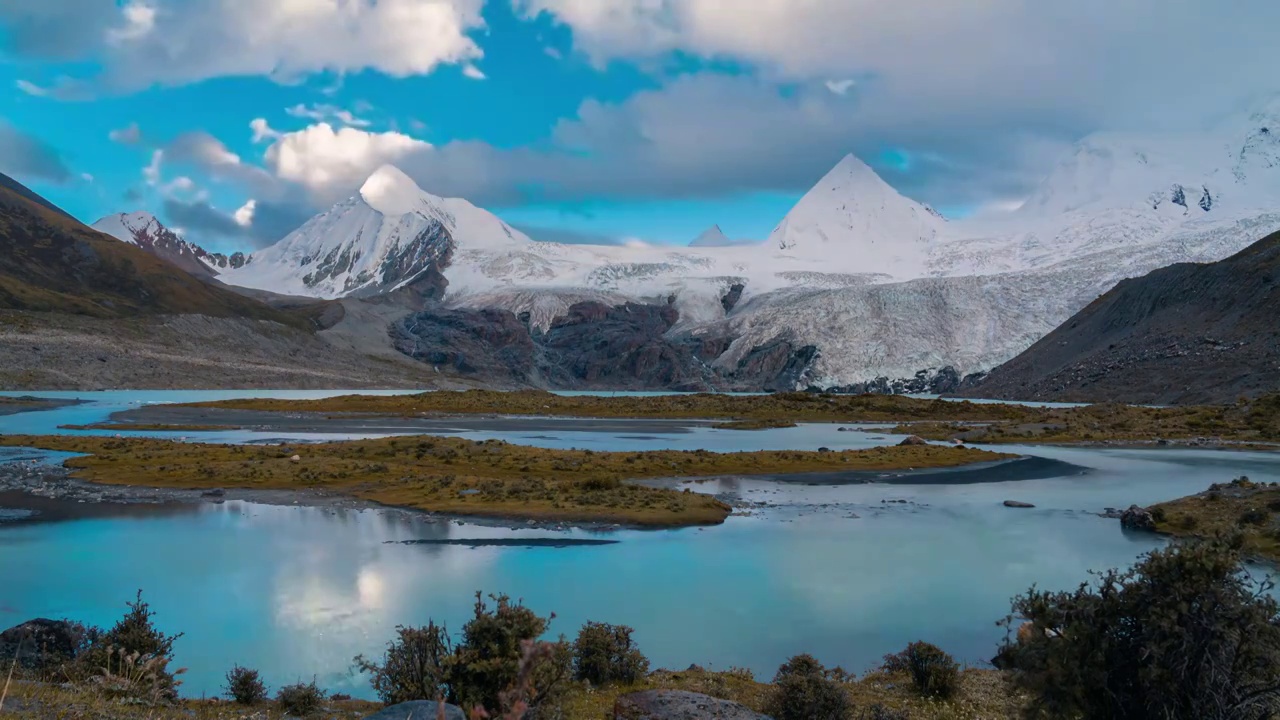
[[413, 667], [488, 660], [1185, 633], [933, 672], [605, 653], [805, 690], [133, 645], [1253, 516], [300, 699], [244, 686]]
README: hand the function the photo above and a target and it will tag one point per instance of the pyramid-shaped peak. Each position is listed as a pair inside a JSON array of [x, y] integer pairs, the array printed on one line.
[[389, 191], [711, 237]]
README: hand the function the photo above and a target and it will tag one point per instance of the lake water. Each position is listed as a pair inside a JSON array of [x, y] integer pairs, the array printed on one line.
[[847, 573]]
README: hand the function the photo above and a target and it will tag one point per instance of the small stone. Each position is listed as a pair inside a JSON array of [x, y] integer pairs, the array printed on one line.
[[469, 491], [913, 440], [296, 458], [824, 449], [1017, 504], [215, 492]]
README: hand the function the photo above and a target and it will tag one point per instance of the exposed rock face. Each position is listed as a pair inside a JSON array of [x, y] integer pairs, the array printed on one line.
[[931, 381], [491, 343], [679, 705], [1185, 333], [593, 345], [731, 298], [418, 710], [914, 440], [1137, 518]]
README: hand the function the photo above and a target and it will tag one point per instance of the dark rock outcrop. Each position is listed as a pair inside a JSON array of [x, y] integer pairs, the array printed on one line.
[[44, 643], [1137, 518], [418, 710], [1187, 333], [731, 298], [679, 705], [913, 440], [1017, 504], [491, 343], [931, 381], [778, 366]]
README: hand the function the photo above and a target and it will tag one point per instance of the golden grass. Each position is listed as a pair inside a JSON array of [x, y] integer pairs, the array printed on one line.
[[983, 694], [1254, 421], [1241, 506], [794, 407], [463, 477]]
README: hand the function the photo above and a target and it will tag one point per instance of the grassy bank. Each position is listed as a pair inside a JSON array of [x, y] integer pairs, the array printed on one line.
[[1254, 421], [1241, 507], [982, 694], [452, 475]]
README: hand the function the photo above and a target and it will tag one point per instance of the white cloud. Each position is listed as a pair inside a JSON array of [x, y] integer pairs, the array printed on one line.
[[87, 177], [1102, 60], [180, 184], [262, 131], [473, 72], [329, 163], [128, 135], [840, 87], [151, 173], [139, 20], [170, 42], [244, 215], [32, 89], [322, 112]]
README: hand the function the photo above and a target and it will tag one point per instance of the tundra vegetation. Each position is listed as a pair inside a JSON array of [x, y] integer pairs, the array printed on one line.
[[464, 477], [1185, 633]]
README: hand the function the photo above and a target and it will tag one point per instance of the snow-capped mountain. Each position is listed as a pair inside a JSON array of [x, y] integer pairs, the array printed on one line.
[[385, 236], [147, 232], [853, 215], [858, 281], [715, 237]]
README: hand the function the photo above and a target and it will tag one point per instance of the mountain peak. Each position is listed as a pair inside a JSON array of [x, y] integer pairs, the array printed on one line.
[[127, 227], [711, 237], [389, 191]]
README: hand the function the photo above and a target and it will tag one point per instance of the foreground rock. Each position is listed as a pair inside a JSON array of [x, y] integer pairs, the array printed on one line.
[[1017, 504], [914, 440], [41, 643], [1137, 518], [418, 710], [680, 705]]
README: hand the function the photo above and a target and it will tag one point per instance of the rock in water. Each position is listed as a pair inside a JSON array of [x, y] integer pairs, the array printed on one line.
[[1137, 518], [1017, 504], [418, 710], [914, 440], [679, 705]]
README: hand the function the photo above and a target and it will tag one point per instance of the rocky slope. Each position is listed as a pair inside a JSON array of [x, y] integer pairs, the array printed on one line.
[[147, 232], [1188, 333]]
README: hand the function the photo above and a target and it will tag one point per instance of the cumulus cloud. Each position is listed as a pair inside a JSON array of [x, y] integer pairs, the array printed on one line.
[[26, 156], [142, 43], [331, 163], [474, 72], [1108, 61]]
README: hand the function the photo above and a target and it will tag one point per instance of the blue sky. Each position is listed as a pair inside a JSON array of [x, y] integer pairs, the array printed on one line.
[[584, 121]]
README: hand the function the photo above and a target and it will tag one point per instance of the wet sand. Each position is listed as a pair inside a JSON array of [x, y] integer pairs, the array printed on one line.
[[358, 423]]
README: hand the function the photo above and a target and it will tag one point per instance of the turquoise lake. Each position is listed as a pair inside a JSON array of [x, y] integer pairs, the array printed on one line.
[[847, 572]]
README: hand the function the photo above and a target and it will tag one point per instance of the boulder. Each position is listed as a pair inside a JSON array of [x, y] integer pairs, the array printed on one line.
[[914, 440], [1017, 504], [679, 705], [418, 710], [44, 643], [1137, 518]]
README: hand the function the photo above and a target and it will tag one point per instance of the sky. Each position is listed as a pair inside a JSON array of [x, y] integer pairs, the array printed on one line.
[[590, 120]]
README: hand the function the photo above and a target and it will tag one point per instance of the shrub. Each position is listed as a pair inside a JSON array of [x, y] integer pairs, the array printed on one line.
[[804, 690], [300, 699], [1185, 633], [1253, 516], [605, 653], [413, 666], [133, 645], [488, 660], [244, 686], [933, 672], [46, 648]]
